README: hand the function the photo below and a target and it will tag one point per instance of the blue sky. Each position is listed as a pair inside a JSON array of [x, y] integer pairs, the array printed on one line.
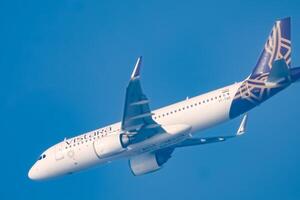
[[64, 68]]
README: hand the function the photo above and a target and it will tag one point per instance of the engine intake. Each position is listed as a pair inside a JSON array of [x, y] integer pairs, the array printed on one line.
[[149, 162]]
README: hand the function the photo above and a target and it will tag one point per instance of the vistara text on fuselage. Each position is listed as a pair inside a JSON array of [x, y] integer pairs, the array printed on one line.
[[147, 138]]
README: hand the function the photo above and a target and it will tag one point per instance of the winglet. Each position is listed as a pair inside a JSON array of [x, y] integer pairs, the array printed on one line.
[[242, 128], [137, 67]]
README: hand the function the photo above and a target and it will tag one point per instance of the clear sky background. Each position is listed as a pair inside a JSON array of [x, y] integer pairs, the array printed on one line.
[[64, 68]]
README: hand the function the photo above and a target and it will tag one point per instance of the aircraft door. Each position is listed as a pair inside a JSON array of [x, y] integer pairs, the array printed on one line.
[[59, 152]]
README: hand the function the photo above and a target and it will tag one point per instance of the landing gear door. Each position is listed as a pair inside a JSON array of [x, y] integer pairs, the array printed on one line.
[[59, 152]]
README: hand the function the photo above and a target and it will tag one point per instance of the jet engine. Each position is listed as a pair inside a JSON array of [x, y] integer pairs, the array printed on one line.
[[149, 162], [110, 145]]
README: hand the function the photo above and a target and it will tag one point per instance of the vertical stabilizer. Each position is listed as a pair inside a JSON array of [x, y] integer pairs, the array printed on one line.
[[277, 46]]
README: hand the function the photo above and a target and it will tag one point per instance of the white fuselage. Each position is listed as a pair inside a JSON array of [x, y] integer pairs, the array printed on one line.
[[198, 113]]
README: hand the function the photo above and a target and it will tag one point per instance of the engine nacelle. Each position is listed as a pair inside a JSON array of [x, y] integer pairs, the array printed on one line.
[[149, 162], [110, 145]]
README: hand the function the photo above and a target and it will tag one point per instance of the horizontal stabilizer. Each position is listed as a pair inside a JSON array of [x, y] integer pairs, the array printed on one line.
[[242, 128], [280, 72]]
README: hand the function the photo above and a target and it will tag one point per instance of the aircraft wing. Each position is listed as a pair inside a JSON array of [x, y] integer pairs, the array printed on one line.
[[153, 161], [137, 117], [208, 140]]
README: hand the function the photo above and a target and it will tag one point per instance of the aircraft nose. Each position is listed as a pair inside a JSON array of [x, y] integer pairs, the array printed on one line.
[[33, 173], [30, 175]]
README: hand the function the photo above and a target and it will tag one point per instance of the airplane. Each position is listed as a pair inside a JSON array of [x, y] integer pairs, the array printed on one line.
[[147, 138]]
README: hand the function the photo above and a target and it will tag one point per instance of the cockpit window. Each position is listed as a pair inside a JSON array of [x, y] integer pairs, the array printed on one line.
[[42, 157]]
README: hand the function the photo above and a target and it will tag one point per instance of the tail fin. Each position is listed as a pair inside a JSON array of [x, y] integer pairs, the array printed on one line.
[[278, 46]]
